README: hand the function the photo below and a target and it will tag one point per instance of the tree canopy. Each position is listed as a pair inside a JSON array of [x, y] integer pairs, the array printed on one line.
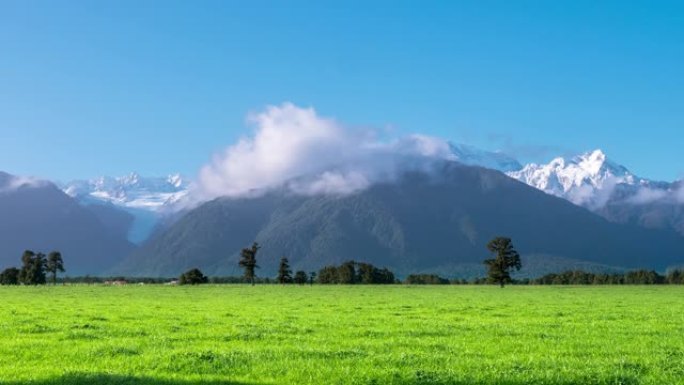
[[33, 268], [505, 259], [351, 272], [54, 264], [284, 271], [300, 277], [192, 277], [249, 263], [9, 276]]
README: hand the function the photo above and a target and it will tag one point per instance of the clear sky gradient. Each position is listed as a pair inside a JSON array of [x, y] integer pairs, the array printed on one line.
[[91, 88]]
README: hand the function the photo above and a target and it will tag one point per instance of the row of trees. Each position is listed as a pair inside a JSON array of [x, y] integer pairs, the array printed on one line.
[[506, 259], [36, 266], [571, 277], [34, 269], [637, 277], [348, 273]]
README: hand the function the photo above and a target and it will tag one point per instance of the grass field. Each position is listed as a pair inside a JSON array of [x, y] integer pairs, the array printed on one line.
[[231, 334]]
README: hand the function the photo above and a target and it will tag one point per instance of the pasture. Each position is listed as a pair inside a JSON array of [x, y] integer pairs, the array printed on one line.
[[235, 334]]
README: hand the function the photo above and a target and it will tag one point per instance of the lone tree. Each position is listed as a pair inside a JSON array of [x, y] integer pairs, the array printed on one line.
[[249, 263], [33, 268], [192, 277], [312, 277], [301, 277], [284, 271], [505, 260], [54, 264]]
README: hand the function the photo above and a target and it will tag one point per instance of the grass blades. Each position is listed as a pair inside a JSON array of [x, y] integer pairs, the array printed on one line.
[[234, 335]]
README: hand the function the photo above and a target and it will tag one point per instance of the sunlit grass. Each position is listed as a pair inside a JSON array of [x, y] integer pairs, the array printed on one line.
[[233, 334]]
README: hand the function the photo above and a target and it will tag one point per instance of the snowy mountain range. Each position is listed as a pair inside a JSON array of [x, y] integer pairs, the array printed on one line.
[[590, 180], [130, 191], [595, 182], [586, 180]]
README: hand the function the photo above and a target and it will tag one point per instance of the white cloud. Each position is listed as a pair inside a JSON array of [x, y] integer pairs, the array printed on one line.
[[593, 197], [332, 183], [648, 195], [296, 148], [15, 182], [679, 194]]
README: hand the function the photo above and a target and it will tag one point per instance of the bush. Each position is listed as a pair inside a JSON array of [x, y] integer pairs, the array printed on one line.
[[192, 277], [300, 277], [425, 279], [9, 276]]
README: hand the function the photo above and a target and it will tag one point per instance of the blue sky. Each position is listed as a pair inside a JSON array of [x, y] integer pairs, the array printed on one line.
[[91, 88]]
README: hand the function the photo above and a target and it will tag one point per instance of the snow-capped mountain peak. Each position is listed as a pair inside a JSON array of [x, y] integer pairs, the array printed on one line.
[[586, 179], [131, 190], [146, 198], [176, 180]]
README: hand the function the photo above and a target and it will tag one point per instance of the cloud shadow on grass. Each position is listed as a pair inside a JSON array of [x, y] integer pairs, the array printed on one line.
[[114, 379]]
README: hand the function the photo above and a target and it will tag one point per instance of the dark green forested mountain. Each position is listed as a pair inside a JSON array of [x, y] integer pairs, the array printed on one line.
[[437, 222], [40, 217]]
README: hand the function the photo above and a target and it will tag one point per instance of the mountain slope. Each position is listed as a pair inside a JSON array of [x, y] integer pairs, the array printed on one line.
[[37, 215], [436, 222]]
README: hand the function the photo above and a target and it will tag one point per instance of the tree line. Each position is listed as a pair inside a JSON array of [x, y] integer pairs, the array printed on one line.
[[350, 272], [505, 259], [34, 270], [636, 277]]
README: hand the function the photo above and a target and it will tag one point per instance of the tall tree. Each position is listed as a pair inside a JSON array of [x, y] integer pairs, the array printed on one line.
[[284, 271], [249, 263], [54, 264], [33, 268], [505, 260]]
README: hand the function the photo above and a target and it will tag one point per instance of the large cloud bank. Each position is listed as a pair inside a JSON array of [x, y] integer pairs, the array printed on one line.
[[295, 148]]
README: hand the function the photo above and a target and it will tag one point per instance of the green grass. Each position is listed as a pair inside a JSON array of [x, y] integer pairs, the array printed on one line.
[[221, 335]]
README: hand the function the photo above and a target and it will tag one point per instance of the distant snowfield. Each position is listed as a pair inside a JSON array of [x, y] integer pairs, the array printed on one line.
[[146, 198], [134, 191]]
